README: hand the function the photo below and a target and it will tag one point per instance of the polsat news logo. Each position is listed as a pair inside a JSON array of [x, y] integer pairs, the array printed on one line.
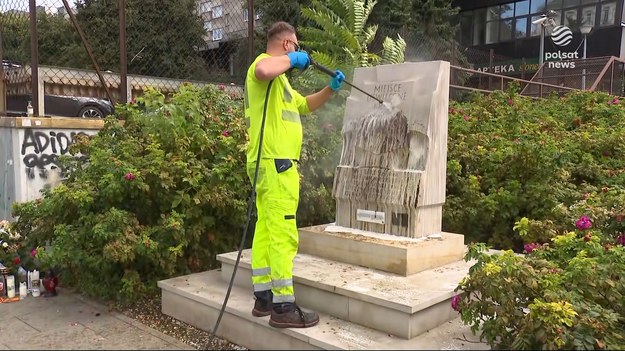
[[561, 37]]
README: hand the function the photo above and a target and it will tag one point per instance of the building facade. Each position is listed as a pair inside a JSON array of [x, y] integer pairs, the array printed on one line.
[[505, 28], [225, 24], [224, 20]]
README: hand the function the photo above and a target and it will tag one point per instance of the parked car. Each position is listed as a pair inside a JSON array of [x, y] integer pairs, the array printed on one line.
[[6, 64], [60, 105], [56, 105]]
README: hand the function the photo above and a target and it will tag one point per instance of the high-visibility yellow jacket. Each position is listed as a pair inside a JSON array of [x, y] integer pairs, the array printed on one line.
[[283, 128]]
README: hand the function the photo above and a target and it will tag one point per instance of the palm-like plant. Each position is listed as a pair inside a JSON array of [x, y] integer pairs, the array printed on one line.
[[340, 36]]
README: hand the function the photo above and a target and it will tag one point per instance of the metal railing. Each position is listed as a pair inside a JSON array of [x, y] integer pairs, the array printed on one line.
[[593, 74], [484, 82], [616, 83]]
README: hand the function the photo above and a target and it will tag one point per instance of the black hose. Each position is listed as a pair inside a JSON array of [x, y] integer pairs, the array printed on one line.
[[250, 207]]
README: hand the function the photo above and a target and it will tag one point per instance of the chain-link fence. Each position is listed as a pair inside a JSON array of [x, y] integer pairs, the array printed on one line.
[[78, 52], [165, 43]]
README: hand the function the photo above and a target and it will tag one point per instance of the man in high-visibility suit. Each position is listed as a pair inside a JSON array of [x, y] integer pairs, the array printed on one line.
[[267, 91]]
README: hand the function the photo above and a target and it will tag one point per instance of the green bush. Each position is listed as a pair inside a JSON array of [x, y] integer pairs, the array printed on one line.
[[511, 157], [155, 196], [546, 166], [162, 193], [567, 293]]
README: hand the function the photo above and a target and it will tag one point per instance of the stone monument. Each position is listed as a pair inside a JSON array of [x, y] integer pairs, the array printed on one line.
[[392, 174]]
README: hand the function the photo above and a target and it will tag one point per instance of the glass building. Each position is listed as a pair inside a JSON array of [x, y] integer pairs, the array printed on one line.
[[506, 27]]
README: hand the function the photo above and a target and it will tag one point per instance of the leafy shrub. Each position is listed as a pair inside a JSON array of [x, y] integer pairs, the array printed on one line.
[[511, 157], [564, 294], [162, 193], [547, 166], [158, 195]]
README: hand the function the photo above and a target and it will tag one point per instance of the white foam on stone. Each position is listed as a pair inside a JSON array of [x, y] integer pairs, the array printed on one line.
[[340, 229]]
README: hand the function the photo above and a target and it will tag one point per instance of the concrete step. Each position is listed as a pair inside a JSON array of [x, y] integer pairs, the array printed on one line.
[[197, 298], [402, 306]]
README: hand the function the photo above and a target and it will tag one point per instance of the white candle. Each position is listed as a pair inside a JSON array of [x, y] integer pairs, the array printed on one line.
[[23, 290], [11, 286]]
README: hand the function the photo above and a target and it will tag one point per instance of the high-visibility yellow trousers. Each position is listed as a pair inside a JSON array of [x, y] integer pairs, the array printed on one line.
[[275, 237]]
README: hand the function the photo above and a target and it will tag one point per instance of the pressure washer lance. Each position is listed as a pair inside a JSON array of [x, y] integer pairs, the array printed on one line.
[[332, 74]]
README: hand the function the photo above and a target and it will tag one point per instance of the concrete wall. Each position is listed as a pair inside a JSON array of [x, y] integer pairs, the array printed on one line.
[[29, 148]]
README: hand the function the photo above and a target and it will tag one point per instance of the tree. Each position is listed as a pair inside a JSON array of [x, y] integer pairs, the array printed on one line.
[[59, 43], [15, 37], [391, 14], [163, 36], [280, 10], [427, 25], [434, 18], [272, 11]]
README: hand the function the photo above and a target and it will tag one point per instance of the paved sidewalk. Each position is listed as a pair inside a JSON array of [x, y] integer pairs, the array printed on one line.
[[69, 321]]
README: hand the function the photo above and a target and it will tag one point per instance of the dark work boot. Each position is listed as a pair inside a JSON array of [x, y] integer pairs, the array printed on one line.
[[290, 315], [263, 304]]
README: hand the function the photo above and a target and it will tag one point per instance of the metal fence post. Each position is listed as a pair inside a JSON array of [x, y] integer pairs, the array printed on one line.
[[34, 60], [250, 31], [3, 82], [491, 59], [123, 59]]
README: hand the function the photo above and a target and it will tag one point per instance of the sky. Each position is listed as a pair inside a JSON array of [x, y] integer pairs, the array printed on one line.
[[50, 5]]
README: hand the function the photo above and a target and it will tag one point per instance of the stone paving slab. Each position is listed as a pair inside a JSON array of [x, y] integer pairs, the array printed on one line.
[[69, 321]]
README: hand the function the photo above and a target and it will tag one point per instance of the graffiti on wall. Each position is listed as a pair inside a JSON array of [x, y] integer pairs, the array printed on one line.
[[40, 151]]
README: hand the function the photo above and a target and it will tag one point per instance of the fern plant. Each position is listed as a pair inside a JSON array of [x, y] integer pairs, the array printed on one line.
[[340, 37]]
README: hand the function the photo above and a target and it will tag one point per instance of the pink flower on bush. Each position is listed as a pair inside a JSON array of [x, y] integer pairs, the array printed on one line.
[[620, 240], [225, 133], [615, 100], [510, 102], [529, 248], [454, 303], [33, 252], [583, 223], [466, 118], [222, 87], [129, 176]]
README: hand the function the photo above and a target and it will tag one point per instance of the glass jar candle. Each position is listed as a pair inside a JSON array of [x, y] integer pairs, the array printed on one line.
[[10, 286]]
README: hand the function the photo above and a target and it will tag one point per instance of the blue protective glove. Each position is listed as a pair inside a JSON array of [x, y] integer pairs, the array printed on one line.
[[337, 81], [299, 59]]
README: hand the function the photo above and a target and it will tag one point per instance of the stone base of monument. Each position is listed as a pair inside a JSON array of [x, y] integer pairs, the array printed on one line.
[[388, 253], [360, 307]]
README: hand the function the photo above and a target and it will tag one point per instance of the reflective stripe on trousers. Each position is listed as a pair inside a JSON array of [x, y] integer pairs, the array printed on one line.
[[275, 237]]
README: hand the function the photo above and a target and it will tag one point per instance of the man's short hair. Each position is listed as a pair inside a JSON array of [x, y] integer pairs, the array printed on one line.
[[279, 28]]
